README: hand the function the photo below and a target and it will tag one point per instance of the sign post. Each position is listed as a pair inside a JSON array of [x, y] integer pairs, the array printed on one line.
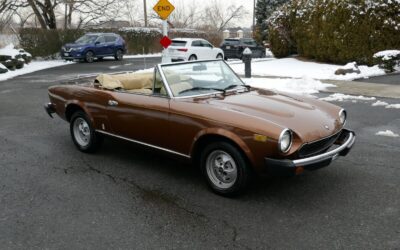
[[164, 8]]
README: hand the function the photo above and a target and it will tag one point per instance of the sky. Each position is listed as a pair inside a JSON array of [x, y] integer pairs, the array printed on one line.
[[248, 4]]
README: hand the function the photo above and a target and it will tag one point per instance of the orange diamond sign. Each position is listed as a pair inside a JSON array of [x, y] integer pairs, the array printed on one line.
[[163, 8]]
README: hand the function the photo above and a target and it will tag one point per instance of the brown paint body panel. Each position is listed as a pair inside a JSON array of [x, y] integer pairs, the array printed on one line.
[[176, 124]]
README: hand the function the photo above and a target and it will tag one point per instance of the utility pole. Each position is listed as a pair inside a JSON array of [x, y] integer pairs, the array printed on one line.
[[254, 18], [145, 13]]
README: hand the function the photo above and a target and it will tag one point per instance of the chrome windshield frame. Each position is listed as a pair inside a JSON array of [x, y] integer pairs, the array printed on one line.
[[169, 91]]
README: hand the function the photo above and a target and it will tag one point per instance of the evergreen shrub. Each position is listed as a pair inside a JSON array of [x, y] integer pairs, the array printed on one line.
[[338, 31]]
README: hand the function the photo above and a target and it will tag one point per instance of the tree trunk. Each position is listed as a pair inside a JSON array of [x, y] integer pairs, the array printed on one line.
[[37, 14]]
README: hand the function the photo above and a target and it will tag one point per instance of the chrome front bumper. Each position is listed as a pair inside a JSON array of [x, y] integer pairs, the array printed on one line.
[[313, 162]]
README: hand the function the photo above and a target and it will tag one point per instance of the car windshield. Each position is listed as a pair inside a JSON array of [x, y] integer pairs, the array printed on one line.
[[200, 78], [87, 39], [231, 42]]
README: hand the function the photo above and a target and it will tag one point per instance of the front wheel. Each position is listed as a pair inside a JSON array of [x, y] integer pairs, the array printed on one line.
[[225, 168], [119, 55], [83, 134]]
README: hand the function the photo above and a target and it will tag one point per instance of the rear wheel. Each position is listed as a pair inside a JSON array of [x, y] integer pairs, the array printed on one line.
[[119, 55], [83, 134], [220, 56], [193, 58], [89, 57], [225, 168]]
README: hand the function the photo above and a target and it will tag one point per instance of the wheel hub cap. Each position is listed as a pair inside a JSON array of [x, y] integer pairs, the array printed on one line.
[[81, 131], [221, 169]]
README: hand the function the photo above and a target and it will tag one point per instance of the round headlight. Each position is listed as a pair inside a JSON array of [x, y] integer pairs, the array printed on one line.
[[285, 141], [342, 116]]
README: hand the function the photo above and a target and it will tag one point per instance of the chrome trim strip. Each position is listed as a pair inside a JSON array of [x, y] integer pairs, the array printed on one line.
[[144, 144], [328, 155], [159, 67]]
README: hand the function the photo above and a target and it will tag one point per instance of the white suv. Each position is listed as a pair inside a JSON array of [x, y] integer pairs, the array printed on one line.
[[189, 49]]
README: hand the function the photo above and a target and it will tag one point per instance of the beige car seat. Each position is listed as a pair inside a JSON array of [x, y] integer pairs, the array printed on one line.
[[130, 82], [177, 84]]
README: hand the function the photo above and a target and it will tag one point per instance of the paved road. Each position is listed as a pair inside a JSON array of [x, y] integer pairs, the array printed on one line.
[[127, 197], [386, 79]]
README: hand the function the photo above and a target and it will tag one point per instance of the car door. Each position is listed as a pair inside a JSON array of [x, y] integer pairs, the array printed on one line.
[[143, 118], [209, 51], [197, 49], [100, 46], [111, 44]]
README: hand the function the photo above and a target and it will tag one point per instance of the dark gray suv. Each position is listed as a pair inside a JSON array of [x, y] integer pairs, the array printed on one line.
[[233, 47]]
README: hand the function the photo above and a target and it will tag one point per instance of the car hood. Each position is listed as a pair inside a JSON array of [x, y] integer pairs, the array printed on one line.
[[265, 111]]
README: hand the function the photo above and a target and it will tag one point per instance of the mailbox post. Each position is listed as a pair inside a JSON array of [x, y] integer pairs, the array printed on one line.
[[247, 62]]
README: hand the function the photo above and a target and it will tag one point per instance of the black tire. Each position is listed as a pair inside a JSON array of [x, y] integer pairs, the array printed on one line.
[[226, 58], [216, 152], [220, 56], [89, 57], [94, 141], [119, 55], [192, 58]]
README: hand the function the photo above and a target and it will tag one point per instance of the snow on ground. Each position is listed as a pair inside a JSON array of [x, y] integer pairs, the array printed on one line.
[[393, 106], [294, 68], [386, 105], [338, 97], [380, 103], [303, 86], [387, 133], [32, 67], [142, 56]]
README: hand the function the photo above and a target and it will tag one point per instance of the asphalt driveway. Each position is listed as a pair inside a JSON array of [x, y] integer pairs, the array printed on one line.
[[128, 197]]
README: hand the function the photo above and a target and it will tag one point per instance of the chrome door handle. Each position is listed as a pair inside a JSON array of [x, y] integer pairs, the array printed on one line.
[[112, 103]]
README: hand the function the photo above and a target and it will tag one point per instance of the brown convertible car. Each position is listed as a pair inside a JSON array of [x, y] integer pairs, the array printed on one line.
[[204, 112]]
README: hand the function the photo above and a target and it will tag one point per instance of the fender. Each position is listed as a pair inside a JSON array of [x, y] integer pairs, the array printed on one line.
[[227, 134], [82, 106]]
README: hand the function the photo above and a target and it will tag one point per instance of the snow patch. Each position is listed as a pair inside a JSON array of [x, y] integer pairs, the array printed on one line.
[[303, 86], [352, 65], [9, 51], [379, 103], [387, 54], [294, 68], [393, 106], [338, 97], [32, 67], [387, 133], [143, 55]]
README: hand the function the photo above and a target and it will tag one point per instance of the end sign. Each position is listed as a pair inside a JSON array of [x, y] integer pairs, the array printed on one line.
[[164, 8]]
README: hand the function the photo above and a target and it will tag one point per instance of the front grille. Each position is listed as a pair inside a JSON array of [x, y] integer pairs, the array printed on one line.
[[317, 147]]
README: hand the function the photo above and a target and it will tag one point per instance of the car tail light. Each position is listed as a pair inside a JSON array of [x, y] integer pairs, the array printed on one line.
[[183, 50]]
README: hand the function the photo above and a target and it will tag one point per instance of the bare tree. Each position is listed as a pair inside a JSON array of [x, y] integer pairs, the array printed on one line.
[[218, 17], [185, 16]]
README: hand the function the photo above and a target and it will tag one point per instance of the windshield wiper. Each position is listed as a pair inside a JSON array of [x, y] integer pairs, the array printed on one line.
[[201, 88], [236, 85]]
